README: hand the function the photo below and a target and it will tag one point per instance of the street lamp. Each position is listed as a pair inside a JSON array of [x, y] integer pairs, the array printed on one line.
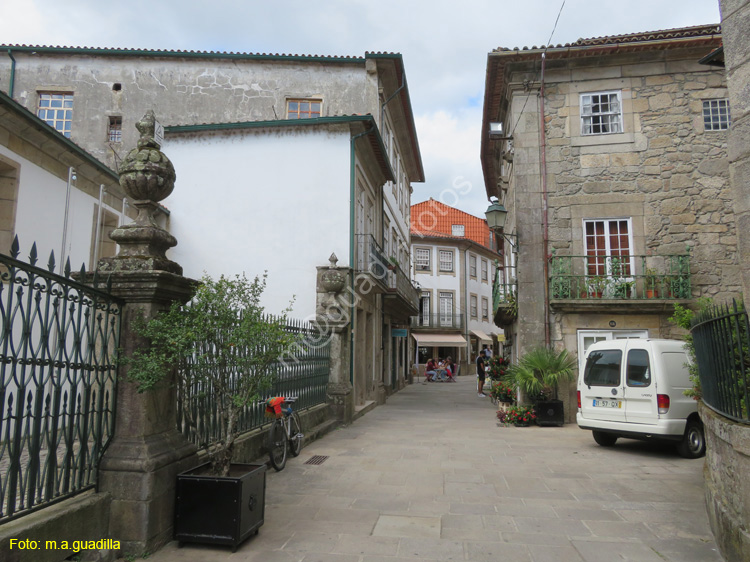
[[496, 215]]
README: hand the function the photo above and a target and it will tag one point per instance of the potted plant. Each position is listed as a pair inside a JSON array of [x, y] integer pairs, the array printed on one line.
[[597, 284], [507, 310], [623, 289], [520, 416], [651, 279], [225, 349], [503, 392], [496, 367], [538, 374]]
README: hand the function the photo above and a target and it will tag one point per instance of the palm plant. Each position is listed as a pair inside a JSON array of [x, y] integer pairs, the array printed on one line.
[[539, 371]]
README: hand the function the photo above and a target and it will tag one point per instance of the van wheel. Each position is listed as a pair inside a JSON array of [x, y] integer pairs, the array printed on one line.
[[604, 439], [693, 444]]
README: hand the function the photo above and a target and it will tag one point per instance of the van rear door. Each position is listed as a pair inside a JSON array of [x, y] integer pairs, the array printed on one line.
[[602, 385], [640, 387]]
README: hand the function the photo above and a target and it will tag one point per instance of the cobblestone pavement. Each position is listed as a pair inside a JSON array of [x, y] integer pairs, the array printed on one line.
[[432, 476]]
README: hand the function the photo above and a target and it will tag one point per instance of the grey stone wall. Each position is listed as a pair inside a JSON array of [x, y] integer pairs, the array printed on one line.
[[183, 91], [727, 488]]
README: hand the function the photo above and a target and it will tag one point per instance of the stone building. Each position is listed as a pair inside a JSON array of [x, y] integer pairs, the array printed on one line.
[[281, 160], [53, 194], [456, 262], [621, 203]]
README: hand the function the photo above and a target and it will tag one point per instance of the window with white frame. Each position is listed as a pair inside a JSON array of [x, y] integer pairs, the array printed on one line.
[[484, 270], [485, 308], [446, 261], [446, 309], [608, 248], [601, 113], [424, 309], [57, 110], [473, 306], [458, 229], [114, 129], [716, 115], [472, 266], [422, 259]]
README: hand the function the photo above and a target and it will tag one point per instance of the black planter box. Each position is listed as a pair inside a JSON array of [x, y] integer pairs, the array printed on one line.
[[550, 412], [220, 510]]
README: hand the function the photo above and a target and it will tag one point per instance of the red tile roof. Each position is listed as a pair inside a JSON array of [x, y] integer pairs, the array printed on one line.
[[436, 219]]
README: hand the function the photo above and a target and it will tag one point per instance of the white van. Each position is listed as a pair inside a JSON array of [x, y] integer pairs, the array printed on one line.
[[635, 388]]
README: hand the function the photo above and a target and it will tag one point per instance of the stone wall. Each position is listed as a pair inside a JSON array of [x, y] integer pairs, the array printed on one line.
[[727, 485], [664, 171]]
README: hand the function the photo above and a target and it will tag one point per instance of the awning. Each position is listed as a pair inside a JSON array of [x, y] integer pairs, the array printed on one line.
[[439, 340], [481, 335]]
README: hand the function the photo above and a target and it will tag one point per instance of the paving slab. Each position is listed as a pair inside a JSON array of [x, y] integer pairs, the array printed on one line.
[[432, 476]]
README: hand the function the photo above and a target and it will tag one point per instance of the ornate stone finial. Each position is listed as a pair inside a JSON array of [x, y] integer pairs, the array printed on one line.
[[331, 280], [146, 174]]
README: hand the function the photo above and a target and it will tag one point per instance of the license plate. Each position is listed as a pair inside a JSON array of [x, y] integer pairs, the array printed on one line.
[[607, 403]]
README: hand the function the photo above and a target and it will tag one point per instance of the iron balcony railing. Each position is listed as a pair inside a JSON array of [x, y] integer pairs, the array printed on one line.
[[400, 283], [304, 372], [58, 381], [721, 336], [371, 259], [620, 277], [448, 321], [504, 287]]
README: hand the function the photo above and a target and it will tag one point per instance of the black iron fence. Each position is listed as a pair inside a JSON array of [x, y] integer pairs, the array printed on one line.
[[721, 336], [58, 343], [302, 372]]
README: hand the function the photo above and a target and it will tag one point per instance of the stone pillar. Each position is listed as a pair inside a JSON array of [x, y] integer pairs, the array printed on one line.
[[138, 469], [334, 316], [735, 26]]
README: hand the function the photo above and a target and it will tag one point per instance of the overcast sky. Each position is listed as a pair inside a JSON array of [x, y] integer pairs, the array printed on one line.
[[444, 45]]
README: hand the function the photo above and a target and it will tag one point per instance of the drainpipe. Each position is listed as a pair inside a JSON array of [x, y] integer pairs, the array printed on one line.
[[98, 227], [71, 180], [352, 200], [545, 211], [12, 74]]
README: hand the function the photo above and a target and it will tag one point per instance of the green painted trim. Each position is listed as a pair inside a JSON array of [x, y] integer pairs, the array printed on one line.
[[181, 54], [343, 119], [271, 123], [42, 126]]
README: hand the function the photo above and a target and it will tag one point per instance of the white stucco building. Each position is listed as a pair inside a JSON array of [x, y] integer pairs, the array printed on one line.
[[281, 160], [455, 261]]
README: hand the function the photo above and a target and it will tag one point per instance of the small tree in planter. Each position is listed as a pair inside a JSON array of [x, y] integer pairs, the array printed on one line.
[[225, 349], [538, 374]]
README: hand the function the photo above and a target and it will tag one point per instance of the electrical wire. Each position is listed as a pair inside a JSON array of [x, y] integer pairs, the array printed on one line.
[[549, 41]]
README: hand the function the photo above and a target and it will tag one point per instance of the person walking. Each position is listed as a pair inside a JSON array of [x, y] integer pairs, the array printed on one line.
[[480, 375]]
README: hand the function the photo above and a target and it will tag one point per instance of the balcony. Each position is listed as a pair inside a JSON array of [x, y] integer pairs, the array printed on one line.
[[371, 266], [627, 283], [442, 321], [402, 298]]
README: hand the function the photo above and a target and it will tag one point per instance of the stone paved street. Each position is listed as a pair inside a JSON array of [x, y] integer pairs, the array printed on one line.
[[432, 476]]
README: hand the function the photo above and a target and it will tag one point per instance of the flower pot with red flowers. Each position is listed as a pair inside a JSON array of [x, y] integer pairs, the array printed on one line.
[[520, 416]]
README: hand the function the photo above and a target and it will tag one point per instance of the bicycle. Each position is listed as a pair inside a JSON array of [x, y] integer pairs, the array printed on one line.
[[285, 433]]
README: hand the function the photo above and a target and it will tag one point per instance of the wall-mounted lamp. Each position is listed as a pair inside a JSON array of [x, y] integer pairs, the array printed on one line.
[[496, 215]]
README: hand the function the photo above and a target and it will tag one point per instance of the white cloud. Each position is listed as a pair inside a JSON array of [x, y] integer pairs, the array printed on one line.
[[444, 45]]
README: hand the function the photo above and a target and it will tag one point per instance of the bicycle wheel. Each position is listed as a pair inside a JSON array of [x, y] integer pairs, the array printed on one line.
[[295, 434], [277, 445]]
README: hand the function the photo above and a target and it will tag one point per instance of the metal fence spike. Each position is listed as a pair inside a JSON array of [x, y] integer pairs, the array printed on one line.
[[15, 248], [51, 262], [32, 254], [66, 272]]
